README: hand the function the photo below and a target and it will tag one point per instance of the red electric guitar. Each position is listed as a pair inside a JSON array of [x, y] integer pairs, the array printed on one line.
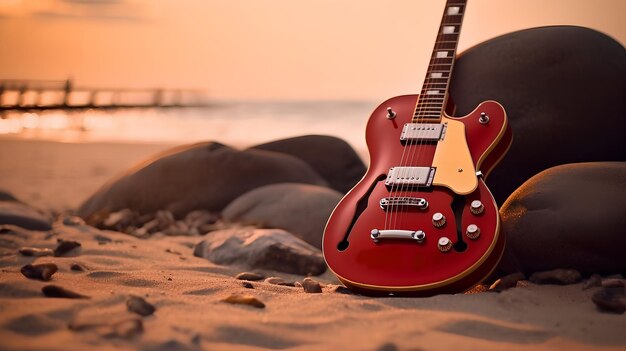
[[422, 221]]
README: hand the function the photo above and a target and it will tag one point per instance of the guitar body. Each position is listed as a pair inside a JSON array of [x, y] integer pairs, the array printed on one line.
[[408, 267]]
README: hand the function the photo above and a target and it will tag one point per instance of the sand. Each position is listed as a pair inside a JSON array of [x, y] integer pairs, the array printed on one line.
[[187, 291]]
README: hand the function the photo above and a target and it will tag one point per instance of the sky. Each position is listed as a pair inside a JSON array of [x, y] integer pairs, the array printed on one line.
[[262, 49]]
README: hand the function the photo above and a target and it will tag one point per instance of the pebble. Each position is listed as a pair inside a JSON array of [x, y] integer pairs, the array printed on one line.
[[507, 282], [43, 271], [120, 219], [35, 252], [249, 276], [65, 247], [78, 267], [343, 290], [247, 285], [244, 300], [610, 300], [388, 347], [593, 281], [57, 291], [140, 306], [612, 283], [73, 220], [556, 276], [311, 286], [278, 281]]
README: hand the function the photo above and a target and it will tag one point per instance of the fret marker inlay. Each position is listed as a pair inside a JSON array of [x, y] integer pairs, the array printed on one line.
[[432, 92], [442, 54], [436, 75], [448, 30], [453, 10]]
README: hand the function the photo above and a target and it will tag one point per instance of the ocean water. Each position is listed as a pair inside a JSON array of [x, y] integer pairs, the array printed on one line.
[[232, 123]]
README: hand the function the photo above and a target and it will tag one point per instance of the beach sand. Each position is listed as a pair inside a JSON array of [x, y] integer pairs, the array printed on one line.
[[187, 291]]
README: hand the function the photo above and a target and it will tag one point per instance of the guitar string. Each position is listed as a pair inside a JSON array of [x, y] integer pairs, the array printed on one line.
[[421, 115]]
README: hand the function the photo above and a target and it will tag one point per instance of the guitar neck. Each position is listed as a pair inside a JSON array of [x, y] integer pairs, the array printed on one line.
[[434, 93]]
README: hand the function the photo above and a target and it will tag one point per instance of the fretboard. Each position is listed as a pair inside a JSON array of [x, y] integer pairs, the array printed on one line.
[[434, 93]]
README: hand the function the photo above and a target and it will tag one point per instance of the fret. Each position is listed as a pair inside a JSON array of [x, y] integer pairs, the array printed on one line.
[[434, 93]]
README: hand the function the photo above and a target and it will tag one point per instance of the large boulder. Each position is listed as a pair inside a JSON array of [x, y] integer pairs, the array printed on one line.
[[201, 176], [564, 90], [570, 216], [301, 209], [334, 159], [14, 212], [273, 249]]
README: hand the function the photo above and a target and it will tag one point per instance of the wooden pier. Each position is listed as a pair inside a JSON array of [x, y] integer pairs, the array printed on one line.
[[30, 96]]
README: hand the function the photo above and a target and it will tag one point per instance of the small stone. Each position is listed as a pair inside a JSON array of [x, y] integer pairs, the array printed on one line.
[[42, 271], [610, 300], [476, 289], [35, 252], [66, 248], [244, 300], [140, 306], [247, 285], [612, 283], [73, 220], [276, 281], [57, 291], [343, 290], [388, 347], [78, 267], [311, 286], [249, 276], [593, 281], [507, 282], [174, 252], [119, 220], [556, 276]]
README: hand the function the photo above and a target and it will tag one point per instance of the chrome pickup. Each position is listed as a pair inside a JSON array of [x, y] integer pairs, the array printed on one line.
[[423, 131], [417, 235], [412, 176], [418, 202]]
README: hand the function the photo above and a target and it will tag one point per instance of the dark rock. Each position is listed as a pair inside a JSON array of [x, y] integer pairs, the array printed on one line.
[[568, 216], [272, 249], [594, 281], [16, 213], [249, 276], [388, 347], [57, 291], [43, 271], [331, 157], [201, 176], [140, 306], [244, 300], [35, 252], [311, 286], [101, 239], [612, 283], [343, 290], [545, 77], [67, 248], [300, 209], [247, 285], [73, 220], [556, 276], [78, 267], [507, 282], [610, 299]]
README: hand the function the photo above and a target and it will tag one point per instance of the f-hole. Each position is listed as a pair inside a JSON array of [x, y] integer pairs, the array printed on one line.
[[458, 204], [361, 205]]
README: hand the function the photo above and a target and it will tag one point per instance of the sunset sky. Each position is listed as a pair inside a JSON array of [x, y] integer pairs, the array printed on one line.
[[256, 49]]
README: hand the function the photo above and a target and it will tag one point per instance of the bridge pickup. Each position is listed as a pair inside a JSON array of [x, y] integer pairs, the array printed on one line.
[[418, 202], [416, 235], [411, 176], [423, 132]]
